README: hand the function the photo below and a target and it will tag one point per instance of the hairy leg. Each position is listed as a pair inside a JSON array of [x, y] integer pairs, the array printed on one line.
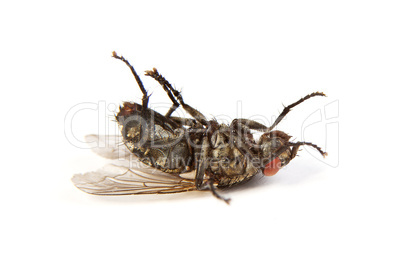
[[176, 98], [145, 96]]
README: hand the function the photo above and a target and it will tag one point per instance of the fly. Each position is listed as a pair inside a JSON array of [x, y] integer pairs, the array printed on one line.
[[176, 154]]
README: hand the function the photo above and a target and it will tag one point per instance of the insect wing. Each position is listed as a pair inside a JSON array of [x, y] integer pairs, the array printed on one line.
[[120, 180], [127, 175], [108, 146]]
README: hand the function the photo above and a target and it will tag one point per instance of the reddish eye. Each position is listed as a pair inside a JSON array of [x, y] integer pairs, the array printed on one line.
[[272, 167]]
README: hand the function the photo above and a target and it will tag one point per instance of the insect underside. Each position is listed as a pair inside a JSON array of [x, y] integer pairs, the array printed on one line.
[[168, 154]]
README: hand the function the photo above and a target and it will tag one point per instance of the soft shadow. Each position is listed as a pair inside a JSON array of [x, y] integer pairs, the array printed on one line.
[[299, 172], [144, 199]]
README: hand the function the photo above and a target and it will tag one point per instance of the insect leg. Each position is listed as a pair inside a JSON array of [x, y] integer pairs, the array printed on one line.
[[215, 193], [286, 110], [201, 162], [186, 121], [296, 146], [166, 86], [243, 145], [145, 96], [176, 98], [239, 123]]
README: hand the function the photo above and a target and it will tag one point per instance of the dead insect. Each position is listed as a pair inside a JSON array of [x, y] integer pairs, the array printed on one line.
[[182, 154]]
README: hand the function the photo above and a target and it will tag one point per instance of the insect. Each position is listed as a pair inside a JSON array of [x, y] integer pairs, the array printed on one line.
[[176, 154]]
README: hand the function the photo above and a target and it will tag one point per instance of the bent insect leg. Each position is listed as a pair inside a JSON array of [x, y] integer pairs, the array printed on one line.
[[241, 123], [145, 96], [182, 121], [201, 157], [166, 86], [215, 193], [296, 145], [201, 165], [286, 110], [176, 98]]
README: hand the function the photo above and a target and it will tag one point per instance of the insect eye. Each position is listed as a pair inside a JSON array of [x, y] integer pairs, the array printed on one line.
[[272, 167]]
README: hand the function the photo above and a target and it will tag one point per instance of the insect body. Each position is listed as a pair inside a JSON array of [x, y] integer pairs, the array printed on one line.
[[217, 155]]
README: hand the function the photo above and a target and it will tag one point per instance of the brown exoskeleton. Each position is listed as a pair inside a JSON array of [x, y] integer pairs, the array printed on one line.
[[219, 155]]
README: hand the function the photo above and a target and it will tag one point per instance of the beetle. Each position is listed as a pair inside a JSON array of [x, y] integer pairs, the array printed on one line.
[[176, 154]]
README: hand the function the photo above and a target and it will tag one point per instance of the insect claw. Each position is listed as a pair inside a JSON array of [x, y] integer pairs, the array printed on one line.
[[227, 200]]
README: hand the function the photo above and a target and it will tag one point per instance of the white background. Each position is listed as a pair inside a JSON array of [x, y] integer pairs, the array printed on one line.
[[344, 211]]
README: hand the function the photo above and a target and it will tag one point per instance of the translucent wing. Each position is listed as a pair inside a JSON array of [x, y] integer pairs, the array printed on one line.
[[128, 176], [118, 180], [108, 146]]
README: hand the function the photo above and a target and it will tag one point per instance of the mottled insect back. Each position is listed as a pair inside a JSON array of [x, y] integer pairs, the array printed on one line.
[[165, 154]]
